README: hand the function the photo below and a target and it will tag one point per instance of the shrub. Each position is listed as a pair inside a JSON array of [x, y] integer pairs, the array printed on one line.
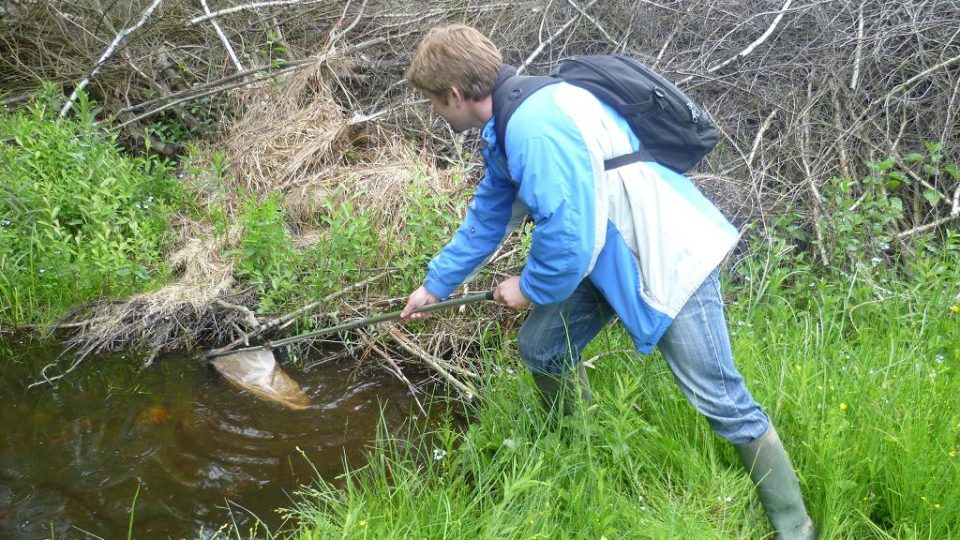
[[79, 220]]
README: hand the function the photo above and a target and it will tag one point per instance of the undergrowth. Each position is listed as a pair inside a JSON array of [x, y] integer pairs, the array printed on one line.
[[351, 246], [79, 219], [862, 386]]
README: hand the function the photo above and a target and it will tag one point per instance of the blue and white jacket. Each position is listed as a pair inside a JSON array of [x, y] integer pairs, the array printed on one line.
[[642, 233]]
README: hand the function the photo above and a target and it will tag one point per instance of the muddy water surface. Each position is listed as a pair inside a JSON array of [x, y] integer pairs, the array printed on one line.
[[194, 451]]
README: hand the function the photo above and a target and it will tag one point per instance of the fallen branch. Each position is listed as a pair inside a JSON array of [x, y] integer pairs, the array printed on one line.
[[248, 315], [223, 37], [464, 388], [558, 33], [759, 41], [106, 55], [234, 9], [928, 226], [593, 21], [297, 312], [336, 35], [759, 137], [263, 74], [393, 365]]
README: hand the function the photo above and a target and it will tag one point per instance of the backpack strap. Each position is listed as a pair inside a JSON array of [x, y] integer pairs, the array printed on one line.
[[508, 94], [626, 159]]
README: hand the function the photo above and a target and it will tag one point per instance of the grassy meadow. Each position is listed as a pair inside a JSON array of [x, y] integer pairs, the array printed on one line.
[[857, 370]]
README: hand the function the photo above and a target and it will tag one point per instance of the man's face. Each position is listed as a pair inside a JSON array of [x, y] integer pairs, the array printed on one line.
[[453, 108]]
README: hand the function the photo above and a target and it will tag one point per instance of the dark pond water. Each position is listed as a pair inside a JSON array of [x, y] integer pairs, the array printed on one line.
[[196, 452]]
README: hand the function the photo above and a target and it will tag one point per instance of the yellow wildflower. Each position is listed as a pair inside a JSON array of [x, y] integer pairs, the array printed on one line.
[[843, 406], [955, 308]]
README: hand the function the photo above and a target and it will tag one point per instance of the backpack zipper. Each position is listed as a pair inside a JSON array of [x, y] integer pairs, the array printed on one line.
[[674, 92]]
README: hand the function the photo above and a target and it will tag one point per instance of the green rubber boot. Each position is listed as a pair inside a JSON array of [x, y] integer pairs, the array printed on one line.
[[771, 470], [559, 392]]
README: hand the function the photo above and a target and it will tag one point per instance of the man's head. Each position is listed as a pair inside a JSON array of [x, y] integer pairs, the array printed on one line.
[[456, 67]]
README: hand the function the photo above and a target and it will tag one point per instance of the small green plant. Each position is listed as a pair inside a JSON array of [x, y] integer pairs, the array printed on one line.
[[266, 256], [428, 220], [348, 247]]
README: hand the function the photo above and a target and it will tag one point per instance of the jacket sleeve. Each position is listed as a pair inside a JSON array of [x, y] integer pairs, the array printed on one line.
[[490, 217], [557, 185]]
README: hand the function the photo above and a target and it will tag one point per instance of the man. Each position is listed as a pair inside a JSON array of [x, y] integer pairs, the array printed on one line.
[[639, 242]]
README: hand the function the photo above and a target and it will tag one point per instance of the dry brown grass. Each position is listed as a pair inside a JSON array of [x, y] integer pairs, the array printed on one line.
[[288, 133]]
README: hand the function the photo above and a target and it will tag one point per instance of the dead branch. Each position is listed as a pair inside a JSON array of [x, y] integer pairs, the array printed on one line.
[[107, 54], [858, 51], [255, 5], [543, 44], [223, 37], [594, 22], [248, 315], [759, 41], [929, 226], [371, 344], [464, 388], [259, 330]]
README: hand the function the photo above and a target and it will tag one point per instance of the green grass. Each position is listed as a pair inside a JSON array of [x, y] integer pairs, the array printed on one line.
[[861, 384]]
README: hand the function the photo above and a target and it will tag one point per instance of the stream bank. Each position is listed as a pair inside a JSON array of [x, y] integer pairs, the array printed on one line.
[[191, 450]]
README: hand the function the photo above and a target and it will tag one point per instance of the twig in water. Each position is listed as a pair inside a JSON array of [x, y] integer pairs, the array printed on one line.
[[386, 357]]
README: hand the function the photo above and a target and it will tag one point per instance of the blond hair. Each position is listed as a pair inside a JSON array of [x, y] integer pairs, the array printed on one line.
[[455, 56]]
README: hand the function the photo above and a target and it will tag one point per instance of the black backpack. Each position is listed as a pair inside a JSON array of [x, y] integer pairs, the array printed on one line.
[[674, 130]]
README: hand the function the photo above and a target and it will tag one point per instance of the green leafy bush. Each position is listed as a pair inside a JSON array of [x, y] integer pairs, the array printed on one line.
[[266, 256], [79, 220], [348, 247], [864, 219]]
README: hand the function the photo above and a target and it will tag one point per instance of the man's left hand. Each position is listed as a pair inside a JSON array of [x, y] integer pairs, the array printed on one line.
[[508, 294]]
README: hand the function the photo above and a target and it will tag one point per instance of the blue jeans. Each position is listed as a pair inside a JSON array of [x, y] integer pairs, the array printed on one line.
[[696, 348]]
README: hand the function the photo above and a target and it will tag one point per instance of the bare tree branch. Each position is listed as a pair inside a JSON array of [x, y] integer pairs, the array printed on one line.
[[223, 37], [255, 5], [543, 44], [106, 55], [759, 41]]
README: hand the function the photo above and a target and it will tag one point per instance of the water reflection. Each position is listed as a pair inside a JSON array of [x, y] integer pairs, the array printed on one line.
[[201, 452]]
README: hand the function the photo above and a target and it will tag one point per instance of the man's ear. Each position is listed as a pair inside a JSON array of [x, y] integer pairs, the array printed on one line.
[[456, 95]]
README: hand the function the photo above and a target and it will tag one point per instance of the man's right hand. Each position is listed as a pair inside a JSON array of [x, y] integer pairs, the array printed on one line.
[[420, 297]]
